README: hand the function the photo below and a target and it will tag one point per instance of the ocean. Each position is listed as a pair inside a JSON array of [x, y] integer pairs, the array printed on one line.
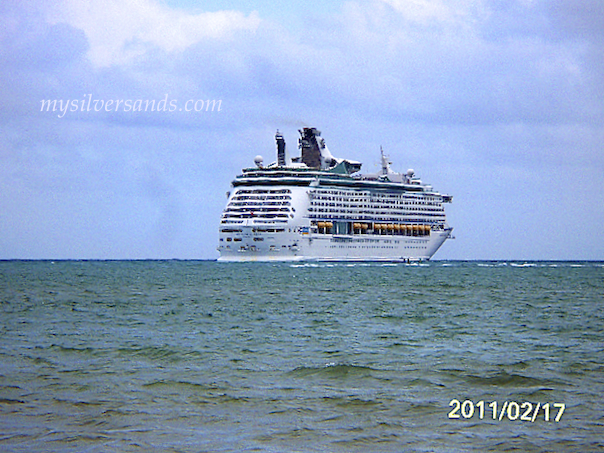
[[201, 356]]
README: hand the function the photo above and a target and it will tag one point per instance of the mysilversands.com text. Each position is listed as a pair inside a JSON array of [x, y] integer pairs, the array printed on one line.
[[88, 104]]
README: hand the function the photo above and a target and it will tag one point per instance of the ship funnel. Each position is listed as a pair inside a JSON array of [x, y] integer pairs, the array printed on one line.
[[315, 154], [282, 155], [311, 154]]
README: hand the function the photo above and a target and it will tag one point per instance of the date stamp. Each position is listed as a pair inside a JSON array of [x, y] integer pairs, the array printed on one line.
[[512, 410]]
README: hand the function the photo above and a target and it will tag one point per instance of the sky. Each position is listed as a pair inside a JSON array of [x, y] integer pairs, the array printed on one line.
[[499, 103]]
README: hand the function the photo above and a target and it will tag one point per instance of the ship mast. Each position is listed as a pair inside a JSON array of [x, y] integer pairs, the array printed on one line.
[[385, 163], [283, 159]]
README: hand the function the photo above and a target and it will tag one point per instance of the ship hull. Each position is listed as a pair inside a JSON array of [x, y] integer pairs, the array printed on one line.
[[336, 248], [250, 242]]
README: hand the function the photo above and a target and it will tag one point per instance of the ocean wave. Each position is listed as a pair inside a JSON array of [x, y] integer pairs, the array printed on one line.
[[505, 379], [163, 353], [333, 371], [177, 384]]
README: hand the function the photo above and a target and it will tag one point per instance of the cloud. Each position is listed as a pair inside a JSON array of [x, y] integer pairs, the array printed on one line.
[[120, 31], [441, 63], [428, 12]]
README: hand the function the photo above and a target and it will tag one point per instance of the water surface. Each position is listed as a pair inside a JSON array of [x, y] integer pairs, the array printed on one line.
[[193, 356]]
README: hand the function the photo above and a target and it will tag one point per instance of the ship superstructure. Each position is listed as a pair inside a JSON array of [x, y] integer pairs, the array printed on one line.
[[319, 207]]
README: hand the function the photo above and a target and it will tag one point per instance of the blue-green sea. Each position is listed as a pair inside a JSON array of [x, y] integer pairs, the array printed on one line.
[[201, 356]]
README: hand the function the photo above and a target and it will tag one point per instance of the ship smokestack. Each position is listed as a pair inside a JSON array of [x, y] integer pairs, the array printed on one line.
[[282, 157], [311, 154]]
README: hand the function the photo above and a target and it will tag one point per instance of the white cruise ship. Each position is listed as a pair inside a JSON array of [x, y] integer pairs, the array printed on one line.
[[318, 207]]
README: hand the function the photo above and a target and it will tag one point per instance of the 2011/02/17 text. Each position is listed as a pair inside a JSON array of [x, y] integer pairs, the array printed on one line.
[[511, 410]]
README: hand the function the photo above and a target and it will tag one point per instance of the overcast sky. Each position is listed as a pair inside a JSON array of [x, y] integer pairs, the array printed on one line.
[[499, 103]]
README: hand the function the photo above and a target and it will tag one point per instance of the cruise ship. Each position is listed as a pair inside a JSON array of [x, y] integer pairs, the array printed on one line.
[[317, 207]]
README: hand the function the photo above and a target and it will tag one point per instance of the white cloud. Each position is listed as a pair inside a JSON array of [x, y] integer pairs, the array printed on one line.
[[427, 11], [120, 30]]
